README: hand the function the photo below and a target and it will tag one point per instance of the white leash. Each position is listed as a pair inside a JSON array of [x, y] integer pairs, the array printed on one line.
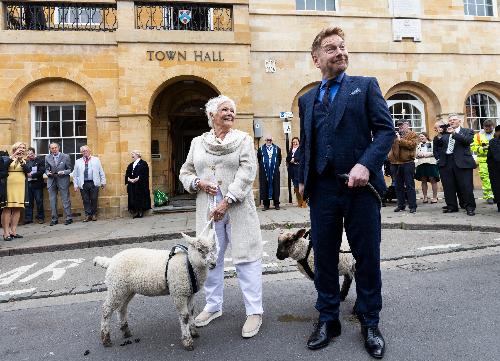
[[212, 203]]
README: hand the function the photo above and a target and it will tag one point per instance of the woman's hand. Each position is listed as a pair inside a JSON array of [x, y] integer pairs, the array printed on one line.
[[208, 187], [220, 210]]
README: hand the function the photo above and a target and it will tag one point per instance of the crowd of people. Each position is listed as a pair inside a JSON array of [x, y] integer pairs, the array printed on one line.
[[449, 158], [22, 181]]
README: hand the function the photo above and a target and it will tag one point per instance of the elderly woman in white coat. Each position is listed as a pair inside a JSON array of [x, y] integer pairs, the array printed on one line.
[[221, 167]]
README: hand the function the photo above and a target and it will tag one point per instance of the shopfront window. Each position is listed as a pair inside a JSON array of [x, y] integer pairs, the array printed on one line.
[[65, 124]]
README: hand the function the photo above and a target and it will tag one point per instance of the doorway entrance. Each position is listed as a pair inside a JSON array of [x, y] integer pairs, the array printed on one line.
[[178, 116]]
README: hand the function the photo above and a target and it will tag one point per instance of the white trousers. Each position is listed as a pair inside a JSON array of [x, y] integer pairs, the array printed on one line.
[[249, 276]]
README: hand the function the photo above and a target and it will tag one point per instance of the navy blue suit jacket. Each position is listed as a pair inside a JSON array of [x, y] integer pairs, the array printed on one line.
[[362, 127]]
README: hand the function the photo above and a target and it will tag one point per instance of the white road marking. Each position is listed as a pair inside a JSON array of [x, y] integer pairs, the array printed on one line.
[[440, 246], [57, 272], [17, 292], [8, 277]]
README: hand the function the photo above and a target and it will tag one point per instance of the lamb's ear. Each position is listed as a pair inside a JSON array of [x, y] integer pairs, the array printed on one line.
[[300, 233]]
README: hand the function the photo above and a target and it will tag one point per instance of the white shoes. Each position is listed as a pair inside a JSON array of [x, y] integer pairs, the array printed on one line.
[[251, 326], [205, 317]]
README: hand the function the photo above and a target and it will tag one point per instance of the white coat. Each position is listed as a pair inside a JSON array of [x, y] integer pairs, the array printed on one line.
[[231, 164]]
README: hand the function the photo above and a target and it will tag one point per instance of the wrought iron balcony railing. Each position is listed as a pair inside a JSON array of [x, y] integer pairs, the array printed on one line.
[[184, 16], [61, 16]]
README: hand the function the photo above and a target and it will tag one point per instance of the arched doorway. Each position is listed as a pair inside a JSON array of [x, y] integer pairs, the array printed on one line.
[[178, 115]]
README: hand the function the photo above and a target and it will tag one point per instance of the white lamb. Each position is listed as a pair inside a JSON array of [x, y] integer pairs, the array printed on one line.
[[142, 271], [293, 245]]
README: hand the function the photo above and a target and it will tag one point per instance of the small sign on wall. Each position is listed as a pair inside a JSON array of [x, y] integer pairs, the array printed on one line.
[[406, 28], [270, 66], [287, 127]]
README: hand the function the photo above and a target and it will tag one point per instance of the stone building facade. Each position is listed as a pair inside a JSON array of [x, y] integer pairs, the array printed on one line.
[[123, 75]]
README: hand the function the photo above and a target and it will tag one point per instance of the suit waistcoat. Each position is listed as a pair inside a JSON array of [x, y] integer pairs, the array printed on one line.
[[323, 147]]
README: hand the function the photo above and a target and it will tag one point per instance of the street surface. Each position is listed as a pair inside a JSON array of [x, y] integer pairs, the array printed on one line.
[[436, 307], [72, 271]]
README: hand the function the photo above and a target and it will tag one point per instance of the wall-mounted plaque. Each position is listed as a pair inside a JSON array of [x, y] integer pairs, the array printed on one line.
[[406, 28], [270, 66]]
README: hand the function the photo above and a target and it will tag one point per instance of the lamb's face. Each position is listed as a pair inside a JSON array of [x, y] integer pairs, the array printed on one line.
[[202, 251], [286, 241]]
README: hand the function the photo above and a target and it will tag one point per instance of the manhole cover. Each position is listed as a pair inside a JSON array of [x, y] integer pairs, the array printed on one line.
[[416, 267]]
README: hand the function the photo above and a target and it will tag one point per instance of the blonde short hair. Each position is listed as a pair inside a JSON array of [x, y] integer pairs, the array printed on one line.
[[213, 104], [136, 152], [17, 145]]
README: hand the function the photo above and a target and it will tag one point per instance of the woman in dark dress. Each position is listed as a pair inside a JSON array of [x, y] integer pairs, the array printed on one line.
[[493, 161], [293, 171], [137, 181]]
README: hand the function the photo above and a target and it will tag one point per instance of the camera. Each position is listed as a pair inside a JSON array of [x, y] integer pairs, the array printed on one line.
[[444, 127]]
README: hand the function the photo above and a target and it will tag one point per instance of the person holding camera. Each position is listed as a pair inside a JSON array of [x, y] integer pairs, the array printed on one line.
[[480, 146], [402, 158], [456, 164], [15, 190]]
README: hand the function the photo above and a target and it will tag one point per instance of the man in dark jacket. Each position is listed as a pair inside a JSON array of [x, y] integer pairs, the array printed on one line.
[[35, 187], [269, 156], [493, 161], [456, 164]]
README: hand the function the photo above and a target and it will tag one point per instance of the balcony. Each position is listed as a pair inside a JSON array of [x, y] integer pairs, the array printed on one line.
[[61, 16], [183, 16]]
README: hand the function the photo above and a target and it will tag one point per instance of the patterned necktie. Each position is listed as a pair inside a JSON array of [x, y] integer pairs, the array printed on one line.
[[86, 171], [451, 145], [326, 95]]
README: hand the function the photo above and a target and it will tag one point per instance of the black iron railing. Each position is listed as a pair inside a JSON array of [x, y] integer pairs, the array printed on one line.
[[184, 16], [61, 16]]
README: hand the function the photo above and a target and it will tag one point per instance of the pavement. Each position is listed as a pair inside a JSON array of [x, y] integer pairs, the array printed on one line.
[[156, 227]]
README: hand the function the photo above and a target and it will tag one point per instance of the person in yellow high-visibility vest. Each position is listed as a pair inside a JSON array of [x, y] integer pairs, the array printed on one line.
[[480, 147]]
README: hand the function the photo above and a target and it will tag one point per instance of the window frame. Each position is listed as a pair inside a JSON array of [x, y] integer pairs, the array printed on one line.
[[315, 7], [494, 6], [78, 8], [73, 155], [417, 103], [466, 116]]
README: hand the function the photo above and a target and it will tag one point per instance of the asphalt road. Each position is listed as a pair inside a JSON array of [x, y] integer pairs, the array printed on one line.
[[441, 307], [74, 270]]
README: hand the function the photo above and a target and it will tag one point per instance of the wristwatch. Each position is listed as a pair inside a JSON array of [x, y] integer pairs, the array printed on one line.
[[229, 200]]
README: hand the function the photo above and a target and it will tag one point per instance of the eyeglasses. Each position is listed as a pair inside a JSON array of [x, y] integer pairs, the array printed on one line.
[[269, 140]]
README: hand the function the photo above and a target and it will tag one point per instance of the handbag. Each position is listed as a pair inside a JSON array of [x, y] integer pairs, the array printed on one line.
[[160, 198]]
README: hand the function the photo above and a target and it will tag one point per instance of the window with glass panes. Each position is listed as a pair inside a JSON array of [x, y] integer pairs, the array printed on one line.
[[478, 7], [319, 5], [479, 107], [65, 124], [409, 107]]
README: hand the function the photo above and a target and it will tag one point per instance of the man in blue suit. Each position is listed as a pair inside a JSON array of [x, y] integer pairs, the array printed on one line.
[[345, 128]]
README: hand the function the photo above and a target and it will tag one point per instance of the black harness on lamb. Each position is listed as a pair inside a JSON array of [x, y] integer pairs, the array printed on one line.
[[298, 247]]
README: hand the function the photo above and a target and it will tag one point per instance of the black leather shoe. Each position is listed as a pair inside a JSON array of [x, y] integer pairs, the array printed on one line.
[[447, 210], [413, 210], [53, 223], [16, 236], [265, 208], [399, 209], [68, 221], [277, 208], [470, 212], [323, 333], [444, 207], [374, 342]]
